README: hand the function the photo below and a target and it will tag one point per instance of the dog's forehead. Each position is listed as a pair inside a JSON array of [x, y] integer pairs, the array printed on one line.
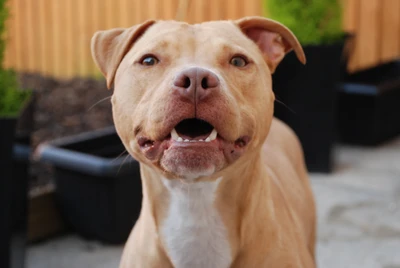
[[203, 32]]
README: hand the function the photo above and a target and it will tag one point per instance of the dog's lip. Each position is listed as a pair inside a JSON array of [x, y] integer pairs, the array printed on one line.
[[154, 148], [148, 144]]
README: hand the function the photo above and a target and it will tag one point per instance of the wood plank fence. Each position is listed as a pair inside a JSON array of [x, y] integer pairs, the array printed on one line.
[[52, 37]]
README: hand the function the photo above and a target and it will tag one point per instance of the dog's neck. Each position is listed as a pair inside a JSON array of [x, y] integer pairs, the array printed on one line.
[[203, 214]]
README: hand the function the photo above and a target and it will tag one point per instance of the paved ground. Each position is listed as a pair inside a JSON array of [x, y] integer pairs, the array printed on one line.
[[358, 213]]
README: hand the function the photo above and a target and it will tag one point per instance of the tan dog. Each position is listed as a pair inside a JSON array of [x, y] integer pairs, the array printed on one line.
[[224, 184]]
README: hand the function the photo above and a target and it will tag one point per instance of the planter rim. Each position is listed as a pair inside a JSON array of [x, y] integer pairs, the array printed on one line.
[[353, 84], [83, 162]]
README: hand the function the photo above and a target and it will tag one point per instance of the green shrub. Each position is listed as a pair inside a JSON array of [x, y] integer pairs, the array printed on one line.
[[12, 98], [312, 21]]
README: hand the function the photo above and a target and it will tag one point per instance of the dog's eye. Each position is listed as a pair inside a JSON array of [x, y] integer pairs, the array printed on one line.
[[149, 60], [238, 61]]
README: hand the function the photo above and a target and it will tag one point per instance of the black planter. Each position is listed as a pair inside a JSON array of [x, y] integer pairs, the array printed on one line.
[[369, 105], [7, 133], [98, 189], [19, 201], [308, 93], [14, 177], [14, 164]]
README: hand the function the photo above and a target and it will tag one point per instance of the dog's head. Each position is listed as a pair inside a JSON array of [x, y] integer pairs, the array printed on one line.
[[192, 99]]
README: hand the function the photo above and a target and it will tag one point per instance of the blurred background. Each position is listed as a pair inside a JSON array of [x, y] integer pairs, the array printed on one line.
[[69, 193]]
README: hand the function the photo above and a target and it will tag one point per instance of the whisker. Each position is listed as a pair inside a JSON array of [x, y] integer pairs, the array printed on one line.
[[115, 159], [286, 106], [106, 98], [123, 163]]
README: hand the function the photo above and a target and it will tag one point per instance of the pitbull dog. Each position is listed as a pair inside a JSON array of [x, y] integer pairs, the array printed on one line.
[[224, 183]]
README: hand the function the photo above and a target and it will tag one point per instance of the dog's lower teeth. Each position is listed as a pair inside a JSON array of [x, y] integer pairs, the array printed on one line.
[[211, 137]]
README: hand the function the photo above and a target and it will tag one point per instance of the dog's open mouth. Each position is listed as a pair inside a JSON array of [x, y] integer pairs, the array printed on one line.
[[194, 130]]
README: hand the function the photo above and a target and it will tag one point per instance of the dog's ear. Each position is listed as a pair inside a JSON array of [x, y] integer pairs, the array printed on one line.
[[273, 39], [109, 47]]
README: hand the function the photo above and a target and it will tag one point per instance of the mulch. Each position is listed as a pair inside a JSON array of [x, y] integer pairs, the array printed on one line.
[[63, 108]]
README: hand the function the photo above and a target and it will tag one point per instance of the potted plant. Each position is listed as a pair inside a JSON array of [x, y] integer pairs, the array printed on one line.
[[306, 95], [12, 102]]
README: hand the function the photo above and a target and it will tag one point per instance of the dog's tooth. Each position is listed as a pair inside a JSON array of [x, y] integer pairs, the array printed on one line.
[[186, 140], [201, 140], [179, 139], [174, 135], [213, 135], [208, 139]]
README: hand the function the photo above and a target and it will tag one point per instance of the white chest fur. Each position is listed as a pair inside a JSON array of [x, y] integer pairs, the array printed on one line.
[[193, 232]]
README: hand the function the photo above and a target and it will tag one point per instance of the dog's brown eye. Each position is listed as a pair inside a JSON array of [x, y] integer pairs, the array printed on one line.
[[149, 61], [238, 61]]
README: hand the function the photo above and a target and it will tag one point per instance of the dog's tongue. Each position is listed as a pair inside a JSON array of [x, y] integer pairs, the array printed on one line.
[[186, 137]]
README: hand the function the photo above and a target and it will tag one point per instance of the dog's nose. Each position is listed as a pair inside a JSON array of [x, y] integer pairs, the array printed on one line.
[[196, 83]]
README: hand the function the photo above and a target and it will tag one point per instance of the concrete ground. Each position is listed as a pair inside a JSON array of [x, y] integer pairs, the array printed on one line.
[[358, 213]]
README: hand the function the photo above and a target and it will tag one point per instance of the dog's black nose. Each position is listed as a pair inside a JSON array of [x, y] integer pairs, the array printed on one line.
[[196, 83]]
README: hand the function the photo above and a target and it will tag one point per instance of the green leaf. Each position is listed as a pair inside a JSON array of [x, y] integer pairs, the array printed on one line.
[[312, 21], [12, 99]]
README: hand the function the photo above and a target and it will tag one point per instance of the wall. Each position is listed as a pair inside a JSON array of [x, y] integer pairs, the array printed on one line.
[[376, 24], [52, 37]]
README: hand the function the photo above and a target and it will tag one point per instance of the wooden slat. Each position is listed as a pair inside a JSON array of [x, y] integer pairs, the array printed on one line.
[[30, 42], [19, 10], [124, 16], [84, 44], [47, 37], [351, 15], [253, 8], [215, 11], [152, 8], [368, 34], [70, 39], [196, 11], [9, 57], [390, 37]]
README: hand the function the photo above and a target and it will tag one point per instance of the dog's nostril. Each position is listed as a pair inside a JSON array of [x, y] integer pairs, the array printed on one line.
[[204, 83], [186, 82]]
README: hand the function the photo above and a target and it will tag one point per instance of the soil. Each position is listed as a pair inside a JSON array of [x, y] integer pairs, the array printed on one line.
[[63, 108]]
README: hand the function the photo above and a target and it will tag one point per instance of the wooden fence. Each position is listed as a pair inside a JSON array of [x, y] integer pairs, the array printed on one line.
[[376, 24], [52, 37]]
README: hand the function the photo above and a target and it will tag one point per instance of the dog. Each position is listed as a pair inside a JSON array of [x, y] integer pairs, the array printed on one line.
[[224, 183]]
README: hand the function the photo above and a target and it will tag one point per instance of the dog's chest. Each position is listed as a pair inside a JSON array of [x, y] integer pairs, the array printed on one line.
[[193, 232]]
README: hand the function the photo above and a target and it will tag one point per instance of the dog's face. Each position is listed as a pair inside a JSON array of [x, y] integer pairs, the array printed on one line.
[[192, 99]]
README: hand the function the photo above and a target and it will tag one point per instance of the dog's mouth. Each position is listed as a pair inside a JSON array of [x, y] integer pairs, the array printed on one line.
[[192, 130], [193, 146]]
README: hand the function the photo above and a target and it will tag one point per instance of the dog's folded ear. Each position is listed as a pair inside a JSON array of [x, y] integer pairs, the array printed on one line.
[[109, 47], [273, 38]]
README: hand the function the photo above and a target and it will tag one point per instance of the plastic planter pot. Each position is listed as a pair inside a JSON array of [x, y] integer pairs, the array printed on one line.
[[306, 100], [369, 109], [98, 189], [19, 203], [7, 126], [14, 162]]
